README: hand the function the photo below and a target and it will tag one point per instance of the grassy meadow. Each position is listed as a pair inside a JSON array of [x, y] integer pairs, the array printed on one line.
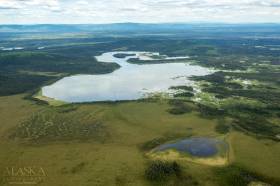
[[118, 159]]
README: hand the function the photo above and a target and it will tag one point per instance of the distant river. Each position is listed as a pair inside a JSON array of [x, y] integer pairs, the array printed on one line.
[[130, 82]]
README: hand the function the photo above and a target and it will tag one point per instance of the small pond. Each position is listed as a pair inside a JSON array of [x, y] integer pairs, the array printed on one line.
[[198, 147]]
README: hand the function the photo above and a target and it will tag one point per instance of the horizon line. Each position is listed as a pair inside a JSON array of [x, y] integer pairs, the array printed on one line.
[[150, 23]]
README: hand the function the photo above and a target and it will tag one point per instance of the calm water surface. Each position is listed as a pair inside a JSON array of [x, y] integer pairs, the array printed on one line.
[[130, 82], [199, 147]]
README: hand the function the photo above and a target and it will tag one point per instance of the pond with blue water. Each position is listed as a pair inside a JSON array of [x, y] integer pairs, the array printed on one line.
[[197, 147]]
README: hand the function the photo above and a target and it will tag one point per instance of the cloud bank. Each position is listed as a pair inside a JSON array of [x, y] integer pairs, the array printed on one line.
[[152, 11]]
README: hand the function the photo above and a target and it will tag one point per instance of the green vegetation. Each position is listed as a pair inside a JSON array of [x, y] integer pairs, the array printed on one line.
[[123, 55], [19, 70], [168, 173], [182, 87], [10, 84], [250, 118], [222, 127], [51, 126], [155, 61], [123, 122], [160, 171], [184, 94], [106, 143], [258, 125], [179, 107], [82, 160], [234, 175], [210, 112], [182, 91]]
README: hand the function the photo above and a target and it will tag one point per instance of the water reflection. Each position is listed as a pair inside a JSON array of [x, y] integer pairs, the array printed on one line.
[[130, 82], [199, 147]]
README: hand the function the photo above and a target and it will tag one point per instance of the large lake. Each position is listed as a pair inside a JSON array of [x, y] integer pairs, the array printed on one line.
[[130, 82]]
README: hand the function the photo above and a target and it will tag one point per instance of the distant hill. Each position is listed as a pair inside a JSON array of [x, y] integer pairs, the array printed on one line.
[[136, 27]]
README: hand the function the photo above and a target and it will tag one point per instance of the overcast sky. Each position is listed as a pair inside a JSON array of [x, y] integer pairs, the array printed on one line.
[[148, 11]]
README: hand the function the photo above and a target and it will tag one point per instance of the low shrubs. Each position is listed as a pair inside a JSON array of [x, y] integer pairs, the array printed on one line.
[[222, 127], [182, 87], [179, 107], [161, 170], [235, 175], [207, 111], [169, 174], [258, 126], [184, 94]]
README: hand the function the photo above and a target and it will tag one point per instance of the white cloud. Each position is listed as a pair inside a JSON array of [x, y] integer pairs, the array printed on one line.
[[40, 2], [82, 2], [104, 11], [6, 4]]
